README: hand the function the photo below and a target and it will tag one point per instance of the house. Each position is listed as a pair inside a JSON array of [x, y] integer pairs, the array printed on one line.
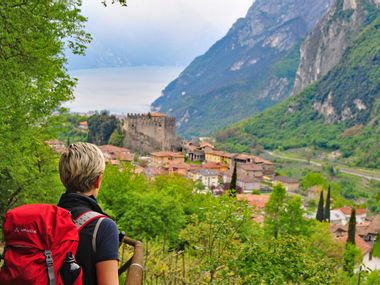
[[243, 158], [162, 158], [57, 146], [268, 166], [218, 157], [152, 172], [208, 177], [174, 167], [258, 201], [247, 184], [340, 234], [83, 125], [206, 145], [250, 170], [215, 166], [342, 215], [290, 184], [112, 152], [370, 229]]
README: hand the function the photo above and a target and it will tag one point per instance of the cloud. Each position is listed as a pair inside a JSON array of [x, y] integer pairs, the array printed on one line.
[[177, 29]]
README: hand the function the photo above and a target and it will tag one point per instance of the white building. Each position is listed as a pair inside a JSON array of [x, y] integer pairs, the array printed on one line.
[[342, 215], [208, 177]]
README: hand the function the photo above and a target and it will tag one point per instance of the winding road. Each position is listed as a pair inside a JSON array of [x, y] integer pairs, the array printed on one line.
[[339, 167]]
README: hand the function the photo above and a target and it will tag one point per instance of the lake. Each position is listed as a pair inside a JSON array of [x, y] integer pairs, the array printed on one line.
[[120, 90]]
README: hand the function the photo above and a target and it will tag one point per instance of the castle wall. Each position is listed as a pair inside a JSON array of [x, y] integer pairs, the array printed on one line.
[[146, 134]]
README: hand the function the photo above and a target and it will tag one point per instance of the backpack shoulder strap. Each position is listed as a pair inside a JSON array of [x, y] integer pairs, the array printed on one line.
[[94, 234], [87, 217]]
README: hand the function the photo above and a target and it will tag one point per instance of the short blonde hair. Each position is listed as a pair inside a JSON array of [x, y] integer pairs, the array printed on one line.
[[80, 166]]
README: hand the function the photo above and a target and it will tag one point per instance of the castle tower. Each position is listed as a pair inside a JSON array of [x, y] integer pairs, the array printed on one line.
[[145, 133]]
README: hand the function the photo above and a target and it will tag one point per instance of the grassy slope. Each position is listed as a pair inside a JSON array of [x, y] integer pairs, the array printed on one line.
[[293, 123]]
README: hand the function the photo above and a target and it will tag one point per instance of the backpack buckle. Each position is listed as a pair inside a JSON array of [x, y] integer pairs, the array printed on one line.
[[49, 258]]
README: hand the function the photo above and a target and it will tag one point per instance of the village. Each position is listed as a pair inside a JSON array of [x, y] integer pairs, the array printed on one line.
[[212, 170]]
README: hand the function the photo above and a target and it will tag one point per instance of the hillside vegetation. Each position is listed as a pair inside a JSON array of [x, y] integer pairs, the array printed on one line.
[[301, 120]]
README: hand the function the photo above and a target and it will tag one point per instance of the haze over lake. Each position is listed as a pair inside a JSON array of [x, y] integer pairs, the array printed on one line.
[[120, 90]]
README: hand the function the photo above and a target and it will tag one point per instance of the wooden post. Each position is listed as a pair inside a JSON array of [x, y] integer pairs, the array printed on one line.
[[136, 269], [183, 268], [176, 269]]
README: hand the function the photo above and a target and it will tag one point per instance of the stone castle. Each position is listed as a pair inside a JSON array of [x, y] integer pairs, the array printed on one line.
[[145, 133]]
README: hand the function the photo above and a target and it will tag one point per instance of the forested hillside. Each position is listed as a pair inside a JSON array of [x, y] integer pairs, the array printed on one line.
[[341, 111]]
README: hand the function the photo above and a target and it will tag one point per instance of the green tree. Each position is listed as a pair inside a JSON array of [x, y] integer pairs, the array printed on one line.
[[101, 126], [275, 210], [233, 182], [351, 257], [326, 215], [117, 137], [320, 209], [33, 83], [293, 220], [352, 227], [312, 179], [285, 260], [215, 238]]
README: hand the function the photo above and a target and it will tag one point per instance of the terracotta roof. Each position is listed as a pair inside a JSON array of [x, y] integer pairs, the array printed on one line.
[[359, 242], [347, 211], [178, 165], [157, 114], [251, 167], [285, 179], [83, 123], [219, 153], [205, 144], [212, 165], [262, 161], [167, 154], [126, 156], [111, 148], [258, 201], [243, 156], [343, 234], [369, 227]]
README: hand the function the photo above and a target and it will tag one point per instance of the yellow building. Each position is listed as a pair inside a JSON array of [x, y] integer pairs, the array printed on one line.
[[163, 158]]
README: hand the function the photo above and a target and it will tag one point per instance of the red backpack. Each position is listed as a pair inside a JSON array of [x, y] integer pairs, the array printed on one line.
[[39, 240]]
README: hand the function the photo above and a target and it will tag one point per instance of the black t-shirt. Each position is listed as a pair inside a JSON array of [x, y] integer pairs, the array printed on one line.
[[107, 237], [107, 241]]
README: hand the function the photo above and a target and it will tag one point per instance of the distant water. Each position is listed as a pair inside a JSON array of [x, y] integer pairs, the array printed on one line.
[[120, 90]]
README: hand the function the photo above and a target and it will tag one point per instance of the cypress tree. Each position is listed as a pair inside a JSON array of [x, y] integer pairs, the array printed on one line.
[[233, 182], [327, 206], [320, 209], [352, 227]]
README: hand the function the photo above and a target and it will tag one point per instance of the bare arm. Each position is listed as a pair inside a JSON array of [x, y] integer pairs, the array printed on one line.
[[136, 269], [106, 272]]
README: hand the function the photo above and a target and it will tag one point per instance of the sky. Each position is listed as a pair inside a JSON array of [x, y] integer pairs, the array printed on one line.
[[157, 32]]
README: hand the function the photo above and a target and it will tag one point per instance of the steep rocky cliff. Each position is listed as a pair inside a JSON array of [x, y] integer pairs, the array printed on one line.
[[339, 111], [327, 42], [251, 68]]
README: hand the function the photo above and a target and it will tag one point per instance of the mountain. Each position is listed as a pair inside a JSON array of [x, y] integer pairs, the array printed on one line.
[[339, 111], [253, 67], [325, 45]]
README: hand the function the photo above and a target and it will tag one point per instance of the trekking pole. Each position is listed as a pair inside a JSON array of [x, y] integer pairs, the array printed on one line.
[[135, 265]]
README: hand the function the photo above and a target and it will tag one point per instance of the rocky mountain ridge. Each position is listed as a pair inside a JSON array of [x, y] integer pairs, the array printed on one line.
[[326, 43], [253, 67], [341, 110]]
